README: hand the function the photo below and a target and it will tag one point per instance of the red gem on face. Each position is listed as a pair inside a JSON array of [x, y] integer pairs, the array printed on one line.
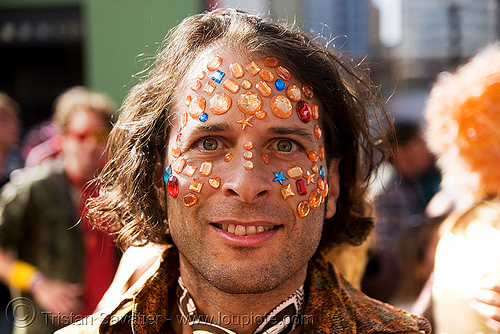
[[304, 111], [301, 187], [173, 186]]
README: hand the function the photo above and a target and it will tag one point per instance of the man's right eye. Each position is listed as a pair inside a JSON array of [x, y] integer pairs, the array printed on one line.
[[210, 144]]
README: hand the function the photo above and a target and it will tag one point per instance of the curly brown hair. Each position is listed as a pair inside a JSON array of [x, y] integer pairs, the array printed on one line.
[[352, 122]]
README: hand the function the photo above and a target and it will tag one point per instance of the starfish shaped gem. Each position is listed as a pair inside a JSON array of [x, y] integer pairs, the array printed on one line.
[[278, 177], [245, 121], [309, 177]]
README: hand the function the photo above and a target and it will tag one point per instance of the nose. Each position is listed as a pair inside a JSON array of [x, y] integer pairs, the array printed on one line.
[[249, 185]]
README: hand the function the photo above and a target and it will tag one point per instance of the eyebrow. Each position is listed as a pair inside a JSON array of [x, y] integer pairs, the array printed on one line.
[[292, 131], [213, 128]]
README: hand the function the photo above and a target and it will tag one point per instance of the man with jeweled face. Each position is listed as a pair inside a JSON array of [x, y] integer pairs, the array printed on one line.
[[244, 153]]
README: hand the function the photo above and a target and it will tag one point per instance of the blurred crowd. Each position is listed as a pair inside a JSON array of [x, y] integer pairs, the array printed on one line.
[[435, 249]]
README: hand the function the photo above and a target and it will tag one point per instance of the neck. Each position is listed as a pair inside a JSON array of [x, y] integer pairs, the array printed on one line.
[[240, 313]]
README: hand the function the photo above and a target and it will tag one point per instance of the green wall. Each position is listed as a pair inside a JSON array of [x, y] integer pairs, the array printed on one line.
[[123, 35]]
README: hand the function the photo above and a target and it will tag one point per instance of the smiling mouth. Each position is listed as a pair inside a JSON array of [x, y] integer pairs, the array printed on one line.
[[241, 230]]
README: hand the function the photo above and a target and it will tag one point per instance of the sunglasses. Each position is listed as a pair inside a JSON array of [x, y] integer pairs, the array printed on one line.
[[97, 135]]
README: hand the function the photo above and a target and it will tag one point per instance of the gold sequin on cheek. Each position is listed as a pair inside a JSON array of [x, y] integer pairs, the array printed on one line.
[[236, 70], [247, 155], [196, 85], [263, 88], [245, 84], [248, 165], [293, 93], [315, 113], [190, 169], [307, 91], [321, 152], [260, 114], [249, 103], [197, 107], [196, 185], [270, 62], [214, 63], [231, 86], [315, 198], [309, 177], [294, 172], [313, 156], [281, 106], [252, 68], [283, 73], [228, 157], [303, 209], [287, 191], [179, 165], [215, 182], [317, 131], [265, 158], [187, 100], [266, 75], [206, 168], [209, 88], [248, 145], [220, 103], [190, 200]]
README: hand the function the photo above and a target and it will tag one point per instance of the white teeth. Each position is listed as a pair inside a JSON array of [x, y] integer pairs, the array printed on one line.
[[241, 230]]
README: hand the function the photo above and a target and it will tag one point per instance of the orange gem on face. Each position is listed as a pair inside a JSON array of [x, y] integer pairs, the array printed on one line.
[[248, 165], [283, 73], [287, 191], [248, 145], [228, 157], [315, 198], [315, 113], [184, 118], [206, 168], [263, 88], [196, 85], [196, 185], [176, 152], [201, 75], [197, 107], [317, 131], [190, 169], [236, 70], [248, 155], [270, 62], [260, 114], [303, 209], [187, 100], [321, 153], [231, 86], [190, 200], [307, 91], [313, 156], [265, 157], [249, 103], [214, 63], [220, 103], [245, 84], [209, 88], [281, 106], [266, 75], [215, 182], [179, 166], [293, 93], [252, 68], [294, 172]]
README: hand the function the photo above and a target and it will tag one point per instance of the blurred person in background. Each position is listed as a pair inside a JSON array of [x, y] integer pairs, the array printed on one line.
[[407, 183], [49, 252], [10, 159], [463, 116]]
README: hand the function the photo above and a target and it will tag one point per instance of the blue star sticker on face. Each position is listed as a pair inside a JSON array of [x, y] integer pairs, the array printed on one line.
[[278, 177]]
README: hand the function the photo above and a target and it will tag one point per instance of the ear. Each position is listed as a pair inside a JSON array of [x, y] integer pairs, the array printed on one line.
[[333, 188], [158, 182]]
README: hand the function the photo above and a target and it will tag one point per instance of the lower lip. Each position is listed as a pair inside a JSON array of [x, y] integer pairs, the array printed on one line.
[[253, 240]]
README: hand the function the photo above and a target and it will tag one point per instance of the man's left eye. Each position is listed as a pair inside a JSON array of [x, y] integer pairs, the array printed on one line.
[[284, 145], [210, 144]]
